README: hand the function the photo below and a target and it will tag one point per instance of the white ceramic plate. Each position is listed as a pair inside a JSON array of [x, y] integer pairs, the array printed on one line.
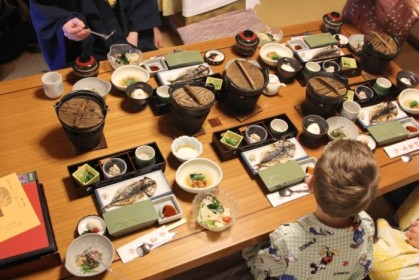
[[105, 194], [307, 55], [166, 77], [252, 157], [364, 114], [410, 122], [367, 140]]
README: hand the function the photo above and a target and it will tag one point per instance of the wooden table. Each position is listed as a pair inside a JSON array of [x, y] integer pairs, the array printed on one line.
[[33, 139]]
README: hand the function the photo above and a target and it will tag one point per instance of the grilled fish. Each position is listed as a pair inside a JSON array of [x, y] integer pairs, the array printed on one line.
[[131, 193], [383, 112], [193, 73], [327, 53], [278, 152]]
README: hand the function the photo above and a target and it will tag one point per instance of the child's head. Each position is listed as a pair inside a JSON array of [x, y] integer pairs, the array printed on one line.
[[345, 178]]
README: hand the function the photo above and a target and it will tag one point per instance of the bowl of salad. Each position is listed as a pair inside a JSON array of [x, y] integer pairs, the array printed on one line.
[[124, 54], [215, 210]]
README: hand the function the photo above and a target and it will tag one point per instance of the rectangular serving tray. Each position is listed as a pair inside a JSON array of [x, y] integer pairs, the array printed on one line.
[[132, 171], [226, 153]]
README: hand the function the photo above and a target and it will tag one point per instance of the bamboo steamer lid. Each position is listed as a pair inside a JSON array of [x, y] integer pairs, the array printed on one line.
[[193, 96], [81, 113], [327, 86], [382, 43], [245, 76]]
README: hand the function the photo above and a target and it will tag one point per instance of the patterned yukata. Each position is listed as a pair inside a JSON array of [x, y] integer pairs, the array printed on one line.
[[394, 17], [309, 249]]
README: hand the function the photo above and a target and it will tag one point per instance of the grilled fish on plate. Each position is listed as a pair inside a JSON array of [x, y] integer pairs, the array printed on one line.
[[133, 192], [383, 112], [278, 152]]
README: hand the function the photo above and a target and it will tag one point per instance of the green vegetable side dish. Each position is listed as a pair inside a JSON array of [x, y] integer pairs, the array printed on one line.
[[86, 176], [232, 141], [197, 177], [122, 59], [413, 104], [338, 133]]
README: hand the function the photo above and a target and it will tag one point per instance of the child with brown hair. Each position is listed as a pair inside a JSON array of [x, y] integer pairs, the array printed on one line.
[[336, 240]]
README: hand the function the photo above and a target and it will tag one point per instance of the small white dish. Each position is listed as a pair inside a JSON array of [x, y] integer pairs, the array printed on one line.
[[341, 128], [167, 205], [342, 40], [94, 84], [114, 167], [186, 147], [367, 140], [91, 224], [411, 126], [297, 45], [271, 52], [210, 171], [125, 75], [155, 65], [407, 97]]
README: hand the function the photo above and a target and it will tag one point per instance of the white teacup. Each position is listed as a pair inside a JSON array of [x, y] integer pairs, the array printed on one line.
[[350, 110], [312, 67], [53, 84]]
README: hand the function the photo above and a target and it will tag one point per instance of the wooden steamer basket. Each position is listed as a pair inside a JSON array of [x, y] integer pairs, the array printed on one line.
[[324, 94], [82, 115], [245, 83], [191, 103], [378, 50]]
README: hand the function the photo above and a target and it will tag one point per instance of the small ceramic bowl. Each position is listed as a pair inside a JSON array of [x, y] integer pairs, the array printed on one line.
[[223, 218], [145, 156], [341, 128], [155, 65], [114, 167], [231, 140], [343, 41], [96, 242], [406, 79], [94, 84], [163, 95], [382, 86], [278, 126], [139, 93], [314, 127], [271, 52], [198, 174], [287, 69], [91, 224], [330, 66], [126, 75], [255, 133], [186, 147], [409, 100], [85, 175], [363, 92], [124, 54]]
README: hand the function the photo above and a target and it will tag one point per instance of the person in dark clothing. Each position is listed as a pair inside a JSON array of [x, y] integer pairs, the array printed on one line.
[[16, 31], [63, 27]]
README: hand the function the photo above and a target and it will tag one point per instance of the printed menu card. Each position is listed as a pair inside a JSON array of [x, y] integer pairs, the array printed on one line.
[[16, 212]]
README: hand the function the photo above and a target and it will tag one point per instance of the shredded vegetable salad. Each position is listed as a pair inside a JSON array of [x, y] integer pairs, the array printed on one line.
[[212, 213]]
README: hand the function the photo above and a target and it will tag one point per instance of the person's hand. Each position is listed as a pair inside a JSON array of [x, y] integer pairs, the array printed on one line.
[[413, 234], [133, 38], [158, 38], [74, 29]]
